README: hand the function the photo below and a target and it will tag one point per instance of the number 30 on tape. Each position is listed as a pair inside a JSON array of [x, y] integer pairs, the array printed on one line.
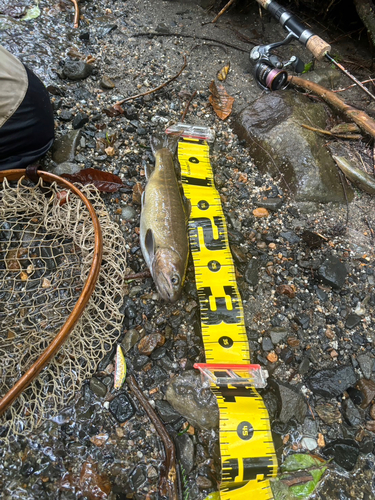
[[247, 452]]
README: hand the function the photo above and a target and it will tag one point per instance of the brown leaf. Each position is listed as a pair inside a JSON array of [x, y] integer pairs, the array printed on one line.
[[93, 485], [222, 74], [103, 181], [114, 110], [288, 290], [220, 100]]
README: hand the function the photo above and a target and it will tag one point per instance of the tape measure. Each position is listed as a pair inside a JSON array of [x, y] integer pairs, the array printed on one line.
[[247, 452]]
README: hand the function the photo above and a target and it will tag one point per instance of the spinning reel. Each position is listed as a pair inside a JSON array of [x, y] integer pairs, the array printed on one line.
[[269, 71]]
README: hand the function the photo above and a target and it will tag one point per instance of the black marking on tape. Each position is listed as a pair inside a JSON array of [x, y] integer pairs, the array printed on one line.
[[193, 159], [245, 430], [221, 314], [230, 469], [226, 342], [252, 467], [214, 266], [195, 181], [203, 205], [210, 242], [230, 394]]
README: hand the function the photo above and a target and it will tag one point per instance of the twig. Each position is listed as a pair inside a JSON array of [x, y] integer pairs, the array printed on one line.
[[156, 88], [153, 33], [353, 85], [136, 276], [76, 13], [327, 132], [170, 452], [226, 7], [187, 105], [362, 119]]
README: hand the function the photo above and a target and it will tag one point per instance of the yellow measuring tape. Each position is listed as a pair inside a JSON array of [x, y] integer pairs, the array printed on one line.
[[247, 451]]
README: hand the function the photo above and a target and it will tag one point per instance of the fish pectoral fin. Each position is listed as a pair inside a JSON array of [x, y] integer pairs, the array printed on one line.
[[143, 199], [150, 243], [148, 171]]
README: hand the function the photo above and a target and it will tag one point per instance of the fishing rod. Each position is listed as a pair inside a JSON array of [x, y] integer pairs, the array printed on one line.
[[269, 71]]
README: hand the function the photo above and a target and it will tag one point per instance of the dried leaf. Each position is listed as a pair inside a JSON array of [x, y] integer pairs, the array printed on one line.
[[222, 74], [103, 181], [110, 151], [288, 290], [220, 100], [114, 110]]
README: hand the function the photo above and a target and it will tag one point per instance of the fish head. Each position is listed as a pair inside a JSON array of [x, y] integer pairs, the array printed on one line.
[[168, 271]]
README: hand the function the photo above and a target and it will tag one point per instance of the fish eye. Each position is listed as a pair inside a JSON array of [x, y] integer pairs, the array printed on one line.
[[175, 280]]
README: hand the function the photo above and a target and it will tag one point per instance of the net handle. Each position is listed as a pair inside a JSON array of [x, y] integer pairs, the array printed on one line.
[[61, 337]]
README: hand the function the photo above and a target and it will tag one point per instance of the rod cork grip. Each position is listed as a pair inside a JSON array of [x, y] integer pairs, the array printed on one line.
[[318, 47]]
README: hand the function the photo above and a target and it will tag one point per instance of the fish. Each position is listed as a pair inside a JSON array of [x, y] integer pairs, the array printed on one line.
[[360, 178], [120, 368], [163, 226]]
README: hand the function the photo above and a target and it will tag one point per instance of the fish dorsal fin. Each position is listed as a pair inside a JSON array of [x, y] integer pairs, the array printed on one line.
[[150, 243]]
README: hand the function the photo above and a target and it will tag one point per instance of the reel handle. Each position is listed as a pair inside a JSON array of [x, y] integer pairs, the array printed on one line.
[[318, 47]]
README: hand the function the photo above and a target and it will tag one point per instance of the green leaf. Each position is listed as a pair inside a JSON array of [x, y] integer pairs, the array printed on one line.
[[32, 13], [307, 67], [305, 490], [300, 461]]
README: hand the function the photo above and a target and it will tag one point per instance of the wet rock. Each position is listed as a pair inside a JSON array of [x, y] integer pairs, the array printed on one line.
[[80, 120], [64, 147], [367, 388], [122, 408], [98, 387], [195, 402], [270, 203], [150, 342], [328, 412], [366, 363], [333, 272], [355, 395], [106, 83], [292, 402], [303, 320], [128, 213], [304, 366], [156, 376], [352, 320], [278, 334], [185, 451], [140, 361], [77, 70], [251, 274], [66, 115], [344, 453], [267, 344], [138, 477], [309, 443], [67, 167], [203, 482], [130, 339], [332, 382], [351, 413], [271, 127], [167, 413], [290, 236]]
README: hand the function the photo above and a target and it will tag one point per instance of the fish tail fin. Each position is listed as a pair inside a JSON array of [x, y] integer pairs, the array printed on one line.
[[167, 141]]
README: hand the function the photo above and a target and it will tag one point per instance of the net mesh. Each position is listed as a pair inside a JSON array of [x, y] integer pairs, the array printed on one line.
[[46, 251]]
